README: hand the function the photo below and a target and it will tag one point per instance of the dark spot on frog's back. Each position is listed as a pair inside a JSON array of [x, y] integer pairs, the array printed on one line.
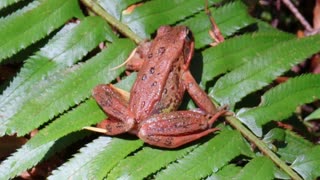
[[150, 55], [161, 50], [144, 77], [165, 90], [151, 70], [154, 83]]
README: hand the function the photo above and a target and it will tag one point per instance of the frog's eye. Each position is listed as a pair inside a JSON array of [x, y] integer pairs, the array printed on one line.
[[189, 37]]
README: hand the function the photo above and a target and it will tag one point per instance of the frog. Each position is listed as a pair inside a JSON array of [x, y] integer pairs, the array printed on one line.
[[151, 110]]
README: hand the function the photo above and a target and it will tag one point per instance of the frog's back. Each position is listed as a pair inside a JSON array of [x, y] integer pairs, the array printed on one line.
[[158, 76]]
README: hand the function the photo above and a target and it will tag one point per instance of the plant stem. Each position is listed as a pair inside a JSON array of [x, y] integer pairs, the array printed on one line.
[[262, 146], [124, 29]]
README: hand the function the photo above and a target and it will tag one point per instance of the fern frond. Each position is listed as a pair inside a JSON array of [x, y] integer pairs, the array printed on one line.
[[16, 34], [262, 69], [313, 115], [74, 87], [237, 51], [116, 8], [261, 167], [148, 17], [50, 65], [207, 158], [29, 155], [227, 172], [281, 101], [294, 146], [44, 143], [308, 163], [230, 18], [96, 160], [142, 164]]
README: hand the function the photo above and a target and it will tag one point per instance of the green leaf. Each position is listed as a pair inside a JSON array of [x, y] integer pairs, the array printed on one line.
[[145, 19], [227, 172], [308, 164], [230, 18], [314, 115], [16, 34], [235, 52], [262, 69], [29, 155], [51, 64], [51, 139], [293, 146], [261, 167], [207, 158], [75, 86], [142, 164], [5, 3], [97, 159], [72, 121], [275, 134], [286, 96], [115, 7]]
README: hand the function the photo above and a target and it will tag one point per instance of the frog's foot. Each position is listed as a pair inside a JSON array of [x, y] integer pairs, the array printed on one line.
[[112, 127]]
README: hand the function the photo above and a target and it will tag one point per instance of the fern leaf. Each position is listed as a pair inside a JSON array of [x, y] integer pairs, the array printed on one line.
[[148, 17], [5, 3], [314, 115], [230, 18], [73, 121], [227, 172], [28, 155], [143, 163], [294, 146], [237, 51], [16, 34], [44, 142], [207, 158], [96, 160], [261, 167], [74, 87], [116, 7], [50, 64], [281, 101], [275, 134], [308, 164], [262, 69]]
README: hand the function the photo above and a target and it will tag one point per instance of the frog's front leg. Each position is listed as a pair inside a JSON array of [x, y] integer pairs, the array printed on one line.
[[197, 94], [115, 104], [173, 129]]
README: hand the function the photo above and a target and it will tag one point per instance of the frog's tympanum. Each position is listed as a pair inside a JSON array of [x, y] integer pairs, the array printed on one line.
[[151, 111]]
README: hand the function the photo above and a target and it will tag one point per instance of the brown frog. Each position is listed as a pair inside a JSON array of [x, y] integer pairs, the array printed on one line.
[[163, 77]]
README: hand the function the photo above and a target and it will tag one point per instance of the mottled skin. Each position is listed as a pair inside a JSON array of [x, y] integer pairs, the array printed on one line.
[[163, 77]]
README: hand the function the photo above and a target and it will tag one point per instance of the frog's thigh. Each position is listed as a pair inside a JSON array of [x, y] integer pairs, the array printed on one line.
[[174, 129], [175, 141], [115, 105]]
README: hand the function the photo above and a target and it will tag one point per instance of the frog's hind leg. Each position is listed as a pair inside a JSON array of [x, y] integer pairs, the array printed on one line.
[[177, 128], [115, 104], [176, 141]]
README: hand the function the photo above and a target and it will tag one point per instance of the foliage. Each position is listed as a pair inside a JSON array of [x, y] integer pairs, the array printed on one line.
[[52, 91]]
